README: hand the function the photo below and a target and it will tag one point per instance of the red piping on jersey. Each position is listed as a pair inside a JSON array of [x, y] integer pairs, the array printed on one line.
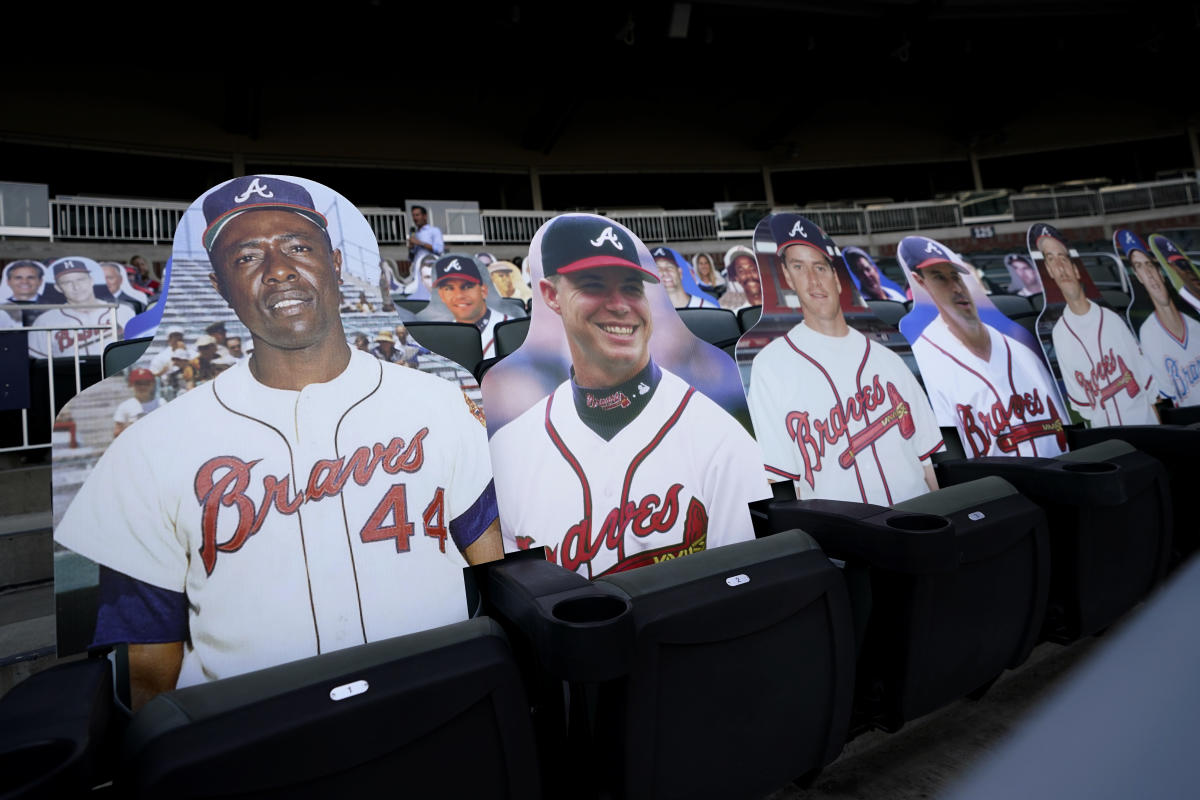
[[1013, 386], [342, 497], [837, 397], [299, 516], [1181, 342], [565, 452]]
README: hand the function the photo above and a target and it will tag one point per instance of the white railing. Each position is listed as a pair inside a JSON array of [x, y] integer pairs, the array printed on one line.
[[39, 335], [114, 220], [390, 224], [912, 216], [669, 226], [513, 227], [148, 221]]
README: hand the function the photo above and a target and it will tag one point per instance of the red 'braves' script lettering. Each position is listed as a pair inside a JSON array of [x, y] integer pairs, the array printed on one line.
[[222, 482], [64, 339], [980, 428], [813, 436], [650, 515], [1097, 386]]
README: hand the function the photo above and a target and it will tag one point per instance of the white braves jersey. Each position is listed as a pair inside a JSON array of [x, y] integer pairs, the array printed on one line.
[[297, 523], [1106, 378], [674, 481], [1005, 406], [842, 417], [1176, 363], [487, 337], [91, 342], [133, 409]]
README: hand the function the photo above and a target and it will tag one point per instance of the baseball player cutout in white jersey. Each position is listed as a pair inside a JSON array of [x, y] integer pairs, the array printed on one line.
[[1176, 363], [833, 413], [691, 471], [296, 522], [487, 336], [91, 341], [1003, 406], [1118, 387]]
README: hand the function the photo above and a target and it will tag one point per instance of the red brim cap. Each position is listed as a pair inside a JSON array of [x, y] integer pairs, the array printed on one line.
[[929, 262], [466, 278], [595, 262], [779, 250]]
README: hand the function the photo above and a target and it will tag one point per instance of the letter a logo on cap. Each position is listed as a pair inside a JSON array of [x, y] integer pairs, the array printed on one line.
[[607, 235], [454, 265], [798, 229], [930, 247], [254, 188]]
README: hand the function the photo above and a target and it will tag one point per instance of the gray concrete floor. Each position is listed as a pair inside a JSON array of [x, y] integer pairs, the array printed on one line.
[[924, 757]]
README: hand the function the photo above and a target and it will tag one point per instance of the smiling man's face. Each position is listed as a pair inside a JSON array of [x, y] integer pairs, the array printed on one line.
[[277, 271]]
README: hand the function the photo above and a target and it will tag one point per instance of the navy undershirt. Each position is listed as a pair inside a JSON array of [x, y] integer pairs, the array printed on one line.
[[608, 411]]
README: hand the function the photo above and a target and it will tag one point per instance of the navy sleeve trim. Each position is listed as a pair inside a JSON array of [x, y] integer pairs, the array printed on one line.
[[136, 612], [471, 524]]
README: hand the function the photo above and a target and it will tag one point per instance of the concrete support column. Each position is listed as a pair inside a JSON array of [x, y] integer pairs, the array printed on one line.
[[535, 186], [768, 190]]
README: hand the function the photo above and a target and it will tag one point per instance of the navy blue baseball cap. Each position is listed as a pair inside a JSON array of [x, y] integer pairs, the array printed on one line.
[[1168, 248], [1041, 230], [65, 265], [586, 241], [456, 266], [256, 193], [1129, 241], [789, 229], [918, 252]]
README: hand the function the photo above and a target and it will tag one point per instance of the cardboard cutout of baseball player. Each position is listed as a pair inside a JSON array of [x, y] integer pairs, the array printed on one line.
[[462, 294], [869, 279], [984, 373], [708, 276], [612, 437], [506, 278], [837, 413], [310, 497], [1167, 327], [1106, 378], [675, 275], [86, 324], [741, 270], [1183, 274], [1024, 279]]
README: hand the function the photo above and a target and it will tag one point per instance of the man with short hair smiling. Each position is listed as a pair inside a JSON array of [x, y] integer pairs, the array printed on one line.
[[86, 323], [839, 416], [1105, 375], [278, 516], [461, 287], [624, 464]]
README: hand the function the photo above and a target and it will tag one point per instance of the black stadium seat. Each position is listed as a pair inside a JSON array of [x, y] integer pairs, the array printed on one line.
[[749, 646], [510, 334], [119, 355], [717, 326], [748, 316], [456, 341], [952, 589], [890, 311], [1110, 517], [406, 713], [1011, 304]]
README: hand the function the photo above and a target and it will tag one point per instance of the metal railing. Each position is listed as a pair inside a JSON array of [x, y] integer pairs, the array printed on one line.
[[669, 226], [513, 227], [47, 335], [114, 220], [149, 221], [390, 224]]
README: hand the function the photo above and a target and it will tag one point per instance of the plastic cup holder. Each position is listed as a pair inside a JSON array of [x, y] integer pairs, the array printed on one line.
[[1094, 467], [916, 523], [590, 609]]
